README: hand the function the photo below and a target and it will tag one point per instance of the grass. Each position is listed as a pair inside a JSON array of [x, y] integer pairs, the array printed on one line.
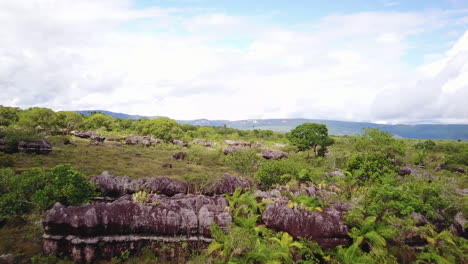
[[120, 159]]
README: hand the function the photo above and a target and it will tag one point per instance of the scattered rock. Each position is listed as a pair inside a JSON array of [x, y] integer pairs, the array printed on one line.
[[180, 155], [179, 142], [407, 171], [274, 154], [232, 149], [338, 174], [87, 134], [460, 224], [419, 218], [204, 142], [7, 259], [227, 185], [117, 186], [167, 165], [238, 143], [104, 230], [460, 170], [42, 146]]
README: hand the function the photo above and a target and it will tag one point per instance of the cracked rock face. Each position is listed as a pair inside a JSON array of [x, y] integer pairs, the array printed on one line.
[[42, 146], [105, 229], [117, 186], [227, 185], [274, 155], [326, 228]]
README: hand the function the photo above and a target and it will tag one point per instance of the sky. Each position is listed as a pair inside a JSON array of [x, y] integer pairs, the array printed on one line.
[[385, 61]]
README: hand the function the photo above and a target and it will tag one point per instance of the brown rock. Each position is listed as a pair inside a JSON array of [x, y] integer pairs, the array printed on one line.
[[167, 165], [179, 155], [232, 149], [204, 142]]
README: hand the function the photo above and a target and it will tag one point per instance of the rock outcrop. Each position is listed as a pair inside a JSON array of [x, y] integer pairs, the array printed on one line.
[[180, 142], [460, 223], [227, 185], [238, 143], [86, 134], [338, 174], [232, 149], [203, 142], [117, 186], [326, 227], [42, 146], [179, 155], [274, 154], [104, 230]]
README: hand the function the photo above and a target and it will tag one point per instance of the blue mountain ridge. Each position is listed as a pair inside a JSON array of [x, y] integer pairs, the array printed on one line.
[[337, 128]]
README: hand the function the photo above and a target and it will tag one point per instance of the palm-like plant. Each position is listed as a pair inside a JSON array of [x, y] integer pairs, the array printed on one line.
[[371, 234], [284, 243]]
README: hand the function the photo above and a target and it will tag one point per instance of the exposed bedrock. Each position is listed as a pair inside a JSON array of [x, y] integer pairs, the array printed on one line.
[[117, 186], [326, 228], [274, 154], [104, 230], [42, 146], [227, 185]]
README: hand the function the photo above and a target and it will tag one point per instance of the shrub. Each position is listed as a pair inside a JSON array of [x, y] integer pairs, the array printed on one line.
[[245, 162], [276, 172], [140, 197], [6, 160], [11, 138]]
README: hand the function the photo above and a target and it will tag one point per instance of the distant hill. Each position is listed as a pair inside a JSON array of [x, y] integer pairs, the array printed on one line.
[[337, 128]]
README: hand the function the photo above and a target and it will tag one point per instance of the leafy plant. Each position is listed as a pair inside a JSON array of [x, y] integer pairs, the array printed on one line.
[[244, 162], [306, 202], [276, 172], [140, 197]]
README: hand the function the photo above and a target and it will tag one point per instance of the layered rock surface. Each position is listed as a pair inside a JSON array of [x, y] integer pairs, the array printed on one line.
[[117, 186], [105, 229]]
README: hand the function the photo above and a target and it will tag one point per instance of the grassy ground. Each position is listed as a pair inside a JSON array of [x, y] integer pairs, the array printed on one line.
[[120, 159]]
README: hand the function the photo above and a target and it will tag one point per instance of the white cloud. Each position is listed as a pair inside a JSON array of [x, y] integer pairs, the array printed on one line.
[[185, 64]]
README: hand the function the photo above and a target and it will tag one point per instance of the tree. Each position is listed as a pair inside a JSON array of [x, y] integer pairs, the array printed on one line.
[[100, 120], [37, 118], [310, 136], [69, 120], [8, 115], [161, 127]]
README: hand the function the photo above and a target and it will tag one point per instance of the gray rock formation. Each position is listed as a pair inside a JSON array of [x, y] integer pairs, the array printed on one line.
[[7, 259], [104, 230], [460, 224], [227, 185], [117, 186], [326, 228], [179, 155], [42, 146], [274, 154], [86, 134], [179, 142], [338, 174], [204, 142], [232, 149], [238, 143]]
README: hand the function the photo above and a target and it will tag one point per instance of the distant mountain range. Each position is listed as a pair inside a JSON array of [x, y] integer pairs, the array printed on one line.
[[337, 128]]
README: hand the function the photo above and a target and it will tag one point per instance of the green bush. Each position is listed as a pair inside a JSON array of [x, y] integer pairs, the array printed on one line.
[[37, 189], [244, 162], [6, 160], [276, 172], [372, 166], [11, 138]]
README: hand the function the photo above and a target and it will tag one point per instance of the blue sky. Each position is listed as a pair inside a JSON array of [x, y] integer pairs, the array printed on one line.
[[385, 61]]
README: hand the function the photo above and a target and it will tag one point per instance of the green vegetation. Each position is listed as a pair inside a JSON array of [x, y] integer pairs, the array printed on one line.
[[386, 211]]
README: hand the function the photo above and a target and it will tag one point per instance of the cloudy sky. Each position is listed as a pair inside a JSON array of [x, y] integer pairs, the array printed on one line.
[[389, 61]]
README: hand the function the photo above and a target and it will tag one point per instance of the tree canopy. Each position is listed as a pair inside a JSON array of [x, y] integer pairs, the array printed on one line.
[[310, 136]]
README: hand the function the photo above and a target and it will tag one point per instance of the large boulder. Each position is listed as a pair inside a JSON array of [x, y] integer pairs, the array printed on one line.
[[179, 155], [86, 134], [227, 185], [460, 224], [117, 186], [42, 146], [7, 259], [274, 154], [326, 227], [232, 149], [238, 143], [104, 230], [180, 142]]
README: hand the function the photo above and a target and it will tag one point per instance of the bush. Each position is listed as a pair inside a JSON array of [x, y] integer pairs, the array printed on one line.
[[6, 160], [276, 172], [372, 166], [11, 138], [244, 162], [37, 189]]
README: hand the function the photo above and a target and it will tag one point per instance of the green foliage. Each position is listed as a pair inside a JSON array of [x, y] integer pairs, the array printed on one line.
[[37, 189], [244, 162], [310, 136], [374, 140], [140, 197], [307, 202], [37, 118], [12, 136], [124, 255], [69, 121], [100, 121], [370, 166], [428, 145], [163, 128], [8, 115], [6, 160], [274, 172]]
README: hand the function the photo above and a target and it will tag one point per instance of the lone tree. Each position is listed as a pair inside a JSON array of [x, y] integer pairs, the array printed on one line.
[[310, 136]]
